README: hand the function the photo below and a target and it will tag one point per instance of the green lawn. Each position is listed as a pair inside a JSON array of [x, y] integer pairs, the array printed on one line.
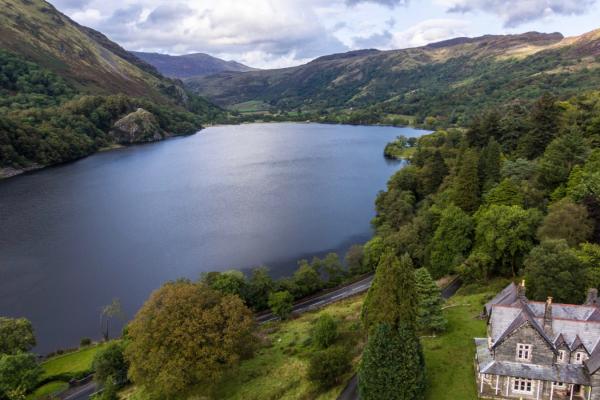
[[74, 363], [449, 357], [251, 106], [48, 389]]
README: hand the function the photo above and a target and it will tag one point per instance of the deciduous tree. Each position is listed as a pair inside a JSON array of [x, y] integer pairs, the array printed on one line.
[[281, 304], [324, 331], [451, 241], [187, 334], [18, 373], [16, 335], [566, 220]]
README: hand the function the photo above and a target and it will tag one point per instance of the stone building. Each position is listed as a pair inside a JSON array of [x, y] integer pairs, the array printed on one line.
[[539, 350]]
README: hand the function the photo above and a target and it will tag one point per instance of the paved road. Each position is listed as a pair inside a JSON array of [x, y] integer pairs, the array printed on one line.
[[83, 392], [322, 300], [350, 392]]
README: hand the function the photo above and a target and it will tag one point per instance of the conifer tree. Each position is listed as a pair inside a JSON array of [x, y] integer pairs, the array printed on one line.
[[392, 366], [466, 183], [430, 316], [392, 297], [489, 165], [432, 174]]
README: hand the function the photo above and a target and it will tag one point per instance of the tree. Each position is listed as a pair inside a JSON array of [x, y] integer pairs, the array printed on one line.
[[373, 251], [561, 155], [281, 304], [544, 127], [229, 282], [432, 174], [465, 193], [333, 268], [589, 255], [108, 312], [16, 335], [392, 366], [354, 260], [324, 331], [505, 234], [109, 391], [394, 209], [327, 366], [566, 220], [552, 269], [307, 280], [392, 297], [489, 165], [110, 364], [19, 372], [506, 193], [430, 317], [451, 241], [184, 335], [260, 285]]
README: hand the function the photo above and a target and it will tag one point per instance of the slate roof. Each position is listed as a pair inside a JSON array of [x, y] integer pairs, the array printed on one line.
[[508, 295], [568, 373]]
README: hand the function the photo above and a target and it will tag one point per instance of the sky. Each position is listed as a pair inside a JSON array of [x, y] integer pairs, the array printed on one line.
[[282, 33]]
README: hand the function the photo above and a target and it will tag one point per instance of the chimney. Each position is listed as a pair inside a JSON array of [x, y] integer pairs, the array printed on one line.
[[521, 290], [548, 317], [592, 297]]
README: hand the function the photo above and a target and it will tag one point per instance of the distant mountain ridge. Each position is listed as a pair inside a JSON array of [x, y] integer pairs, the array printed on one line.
[[447, 79], [190, 65]]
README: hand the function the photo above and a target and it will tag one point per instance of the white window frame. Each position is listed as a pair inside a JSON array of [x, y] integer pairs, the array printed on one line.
[[562, 357], [524, 352], [580, 357], [523, 386]]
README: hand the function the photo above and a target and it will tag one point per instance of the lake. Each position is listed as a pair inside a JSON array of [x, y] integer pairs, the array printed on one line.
[[119, 224]]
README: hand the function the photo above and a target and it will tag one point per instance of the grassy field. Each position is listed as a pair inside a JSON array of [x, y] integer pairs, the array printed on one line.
[[449, 357], [74, 363], [278, 369], [48, 389], [250, 107]]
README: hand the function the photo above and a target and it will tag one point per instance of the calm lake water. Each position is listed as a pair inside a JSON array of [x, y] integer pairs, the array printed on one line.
[[119, 224]]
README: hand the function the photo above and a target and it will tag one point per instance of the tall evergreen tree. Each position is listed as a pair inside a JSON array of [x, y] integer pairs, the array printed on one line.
[[392, 366], [543, 121], [430, 316], [465, 192], [489, 165], [392, 298], [432, 174]]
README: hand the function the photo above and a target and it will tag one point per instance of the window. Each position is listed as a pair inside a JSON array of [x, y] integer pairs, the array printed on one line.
[[562, 356], [523, 352], [559, 385], [522, 386], [580, 357]]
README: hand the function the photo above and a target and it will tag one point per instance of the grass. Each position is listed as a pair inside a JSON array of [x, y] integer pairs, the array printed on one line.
[[278, 368], [75, 363], [251, 106], [48, 389], [449, 357]]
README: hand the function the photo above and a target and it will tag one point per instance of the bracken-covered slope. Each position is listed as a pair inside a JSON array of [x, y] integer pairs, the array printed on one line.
[[190, 65], [37, 31], [441, 79]]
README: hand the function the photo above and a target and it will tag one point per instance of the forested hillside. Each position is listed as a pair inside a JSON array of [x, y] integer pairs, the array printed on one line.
[[448, 82], [63, 87], [517, 193]]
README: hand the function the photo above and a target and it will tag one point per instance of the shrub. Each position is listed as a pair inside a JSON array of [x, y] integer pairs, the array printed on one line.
[[327, 366], [324, 331], [85, 342]]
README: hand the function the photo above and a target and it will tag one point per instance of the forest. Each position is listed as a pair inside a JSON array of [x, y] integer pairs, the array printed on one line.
[[45, 121]]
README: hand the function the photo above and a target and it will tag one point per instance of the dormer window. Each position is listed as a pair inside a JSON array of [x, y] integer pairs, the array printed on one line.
[[562, 356], [580, 357], [523, 352]]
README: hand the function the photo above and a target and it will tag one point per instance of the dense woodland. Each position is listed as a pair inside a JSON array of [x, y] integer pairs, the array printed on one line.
[[44, 120]]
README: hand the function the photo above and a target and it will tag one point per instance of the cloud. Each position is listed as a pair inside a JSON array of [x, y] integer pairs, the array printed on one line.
[[388, 3], [516, 12]]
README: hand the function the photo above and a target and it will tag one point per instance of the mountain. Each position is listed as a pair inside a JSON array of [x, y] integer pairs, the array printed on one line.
[[64, 87], [445, 80], [189, 65]]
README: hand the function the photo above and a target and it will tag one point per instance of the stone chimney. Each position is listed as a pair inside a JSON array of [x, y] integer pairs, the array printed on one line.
[[548, 317], [521, 290], [592, 297]]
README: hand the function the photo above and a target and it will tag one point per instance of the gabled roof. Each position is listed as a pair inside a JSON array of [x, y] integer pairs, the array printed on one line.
[[560, 341], [576, 343], [508, 295]]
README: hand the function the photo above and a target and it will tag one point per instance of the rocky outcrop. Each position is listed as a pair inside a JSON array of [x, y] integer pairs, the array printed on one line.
[[138, 126]]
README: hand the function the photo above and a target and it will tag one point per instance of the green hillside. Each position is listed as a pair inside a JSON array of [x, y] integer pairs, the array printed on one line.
[[63, 87], [446, 80]]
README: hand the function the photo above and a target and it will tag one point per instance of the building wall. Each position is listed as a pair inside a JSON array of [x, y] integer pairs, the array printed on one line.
[[542, 354]]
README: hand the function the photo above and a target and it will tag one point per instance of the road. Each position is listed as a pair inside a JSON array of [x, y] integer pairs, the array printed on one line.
[[350, 392], [83, 392], [324, 299]]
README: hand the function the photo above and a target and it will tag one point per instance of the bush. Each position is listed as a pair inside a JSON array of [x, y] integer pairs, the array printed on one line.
[[110, 365], [17, 373], [281, 304], [327, 366], [85, 342], [324, 331]]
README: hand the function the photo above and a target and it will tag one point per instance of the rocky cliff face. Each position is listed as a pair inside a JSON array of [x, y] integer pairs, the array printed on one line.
[[138, 126]]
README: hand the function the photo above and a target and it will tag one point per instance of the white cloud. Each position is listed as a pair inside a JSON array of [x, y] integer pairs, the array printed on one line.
[[517, 12]]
